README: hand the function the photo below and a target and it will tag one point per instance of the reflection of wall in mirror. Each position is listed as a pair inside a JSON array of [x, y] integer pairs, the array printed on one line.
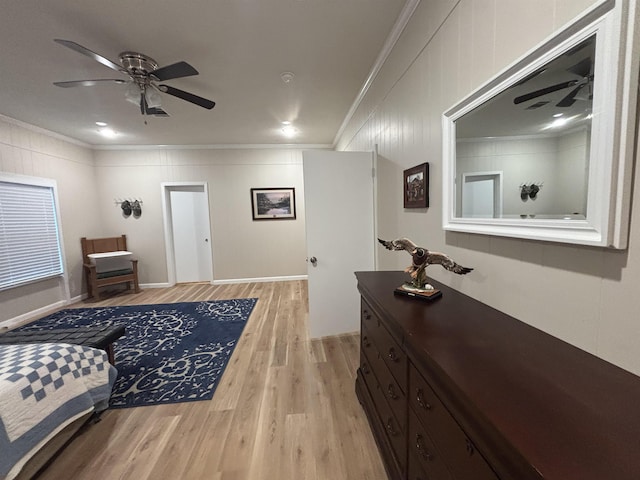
[[558, 161]]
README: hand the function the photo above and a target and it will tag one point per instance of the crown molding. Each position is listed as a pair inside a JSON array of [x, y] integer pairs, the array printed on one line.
[[43, 131]]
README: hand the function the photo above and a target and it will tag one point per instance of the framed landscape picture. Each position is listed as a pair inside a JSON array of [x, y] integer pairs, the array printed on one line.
[[273, 203], [416, 186]]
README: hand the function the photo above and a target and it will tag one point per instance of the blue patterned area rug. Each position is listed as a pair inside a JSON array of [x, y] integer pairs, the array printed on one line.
[[170, 353]]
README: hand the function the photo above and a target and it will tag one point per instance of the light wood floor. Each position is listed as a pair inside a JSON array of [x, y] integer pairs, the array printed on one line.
[[285, 407]]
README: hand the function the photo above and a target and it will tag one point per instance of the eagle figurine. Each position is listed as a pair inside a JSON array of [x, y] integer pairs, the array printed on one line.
[[421, 259]]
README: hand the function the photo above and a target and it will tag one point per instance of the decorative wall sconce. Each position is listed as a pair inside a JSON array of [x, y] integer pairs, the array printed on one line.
[[130, 206], [530, 190]]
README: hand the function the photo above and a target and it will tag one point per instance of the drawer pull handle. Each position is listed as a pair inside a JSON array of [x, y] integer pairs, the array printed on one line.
[[392, 431], [421, 401], [392, 354], [366, 314], [470, 448], [365, 341], [365, 369], [392, 392], [424, 453]]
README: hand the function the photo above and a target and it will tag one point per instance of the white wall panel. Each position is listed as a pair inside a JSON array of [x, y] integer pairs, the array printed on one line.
[[586, 296], [26, 151], [242, 248]]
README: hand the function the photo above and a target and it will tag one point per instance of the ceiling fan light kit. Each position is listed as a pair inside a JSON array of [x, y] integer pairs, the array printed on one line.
[[142, 88], [152, 96]]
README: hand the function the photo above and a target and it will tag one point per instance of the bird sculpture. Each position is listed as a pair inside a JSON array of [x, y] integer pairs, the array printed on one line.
[[421, 259]]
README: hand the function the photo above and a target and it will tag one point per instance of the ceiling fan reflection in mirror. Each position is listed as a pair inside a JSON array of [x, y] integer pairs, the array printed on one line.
[[142, 88], [581, 87]]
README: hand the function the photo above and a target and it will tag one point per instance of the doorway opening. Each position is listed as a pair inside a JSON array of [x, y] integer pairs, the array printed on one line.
[[187, 232], [482, 195]]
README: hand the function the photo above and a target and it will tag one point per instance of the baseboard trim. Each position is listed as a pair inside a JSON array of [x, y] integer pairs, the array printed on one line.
[[260, 279], [156, 285], [32, 315], [79, 298]]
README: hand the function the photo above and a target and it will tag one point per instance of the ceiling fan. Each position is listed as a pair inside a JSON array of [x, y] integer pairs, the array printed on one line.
[[142, 86], [558, 69], [583, 69]]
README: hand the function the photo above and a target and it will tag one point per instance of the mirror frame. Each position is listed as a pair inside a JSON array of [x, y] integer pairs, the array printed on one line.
[[613, 132]]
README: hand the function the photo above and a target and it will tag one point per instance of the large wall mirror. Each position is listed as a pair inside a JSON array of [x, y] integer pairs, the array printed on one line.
[[544, 150]]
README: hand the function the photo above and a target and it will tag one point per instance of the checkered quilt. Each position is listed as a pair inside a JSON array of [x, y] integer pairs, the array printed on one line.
[[43, 388]]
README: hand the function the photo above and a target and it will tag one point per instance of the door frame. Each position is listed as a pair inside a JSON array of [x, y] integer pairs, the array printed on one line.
[[496, 178], [166, 189]]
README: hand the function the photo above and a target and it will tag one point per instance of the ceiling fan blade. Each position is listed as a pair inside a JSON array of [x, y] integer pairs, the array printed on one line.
[[570, 98], [176, 70], [88, 83], [544, 91], [189, 97], [85, 51]]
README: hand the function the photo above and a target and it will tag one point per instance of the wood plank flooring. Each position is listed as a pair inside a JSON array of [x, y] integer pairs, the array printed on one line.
[[285, 407]]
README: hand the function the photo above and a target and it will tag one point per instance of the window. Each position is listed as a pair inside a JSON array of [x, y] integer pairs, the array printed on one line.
[[29, 238]]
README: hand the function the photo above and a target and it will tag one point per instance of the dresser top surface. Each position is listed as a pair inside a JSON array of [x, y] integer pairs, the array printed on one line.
[[569, 413]]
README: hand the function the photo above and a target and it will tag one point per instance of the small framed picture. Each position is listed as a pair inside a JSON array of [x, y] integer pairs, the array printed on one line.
[[273, 203], [416, 186]]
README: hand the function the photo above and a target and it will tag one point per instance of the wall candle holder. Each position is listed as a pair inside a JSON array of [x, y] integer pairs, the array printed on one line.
[[530, 190], [129, 206]]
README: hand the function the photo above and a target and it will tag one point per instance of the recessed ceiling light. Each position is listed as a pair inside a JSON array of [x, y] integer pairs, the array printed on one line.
[[557, 123], [557, 115], [288, 130], [101, 124], [107, 132]]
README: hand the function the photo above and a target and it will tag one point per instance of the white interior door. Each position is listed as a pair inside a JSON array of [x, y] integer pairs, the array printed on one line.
[[481, 195], [338, 192], [190, 231]]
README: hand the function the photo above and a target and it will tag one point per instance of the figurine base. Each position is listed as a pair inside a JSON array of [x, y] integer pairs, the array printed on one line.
[[423, 294]]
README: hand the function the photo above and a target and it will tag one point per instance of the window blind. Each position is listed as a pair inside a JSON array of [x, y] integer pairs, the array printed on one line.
[[29, 240]]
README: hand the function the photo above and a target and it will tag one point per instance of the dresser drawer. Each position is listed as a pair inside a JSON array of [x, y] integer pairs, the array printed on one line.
[[414, 469], [424, 457], [366, 314], [396, 436], [367, 372], [391, 352], [392, 392], [458, 451], [389, 387], [367, 346]]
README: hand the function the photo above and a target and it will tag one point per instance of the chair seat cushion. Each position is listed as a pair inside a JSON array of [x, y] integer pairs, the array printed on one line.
[[115, 273]]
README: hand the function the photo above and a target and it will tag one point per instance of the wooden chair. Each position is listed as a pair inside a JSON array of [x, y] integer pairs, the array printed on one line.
[[95, 279]]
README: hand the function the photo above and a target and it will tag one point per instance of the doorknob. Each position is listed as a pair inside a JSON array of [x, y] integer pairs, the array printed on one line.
[[314, 261]]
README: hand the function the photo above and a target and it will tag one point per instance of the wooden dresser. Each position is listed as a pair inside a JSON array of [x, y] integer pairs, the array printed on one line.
[[456, 390]]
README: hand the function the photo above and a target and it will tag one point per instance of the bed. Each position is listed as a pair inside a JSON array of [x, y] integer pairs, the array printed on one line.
[[47, 390]]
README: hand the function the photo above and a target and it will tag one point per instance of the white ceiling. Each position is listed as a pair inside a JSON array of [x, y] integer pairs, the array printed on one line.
[[240, 48]]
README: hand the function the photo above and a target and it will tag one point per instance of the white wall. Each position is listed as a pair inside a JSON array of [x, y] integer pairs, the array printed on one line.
[[242, 248], [89, 183], [586, 296], [28, 151], [558, 162]]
